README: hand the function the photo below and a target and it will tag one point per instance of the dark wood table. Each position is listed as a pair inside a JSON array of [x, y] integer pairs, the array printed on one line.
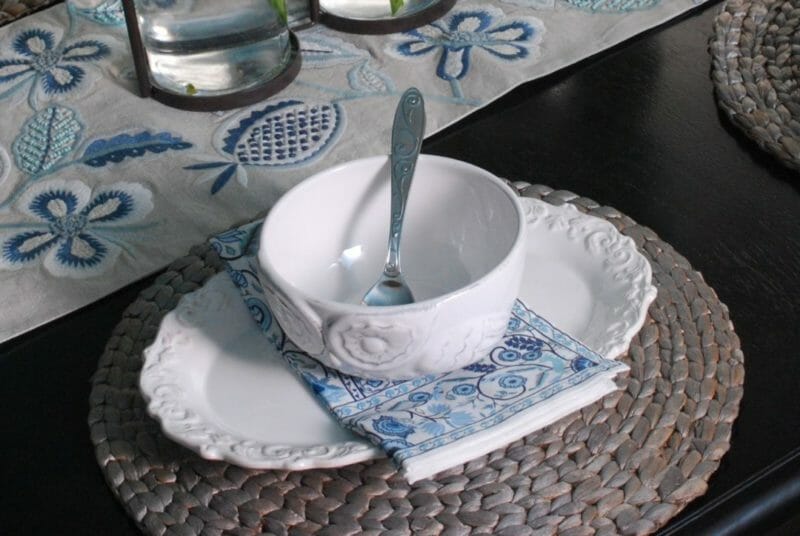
[[636, 128]]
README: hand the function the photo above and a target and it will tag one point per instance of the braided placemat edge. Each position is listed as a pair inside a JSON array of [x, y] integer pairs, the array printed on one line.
[[753, 73], [11, 10]]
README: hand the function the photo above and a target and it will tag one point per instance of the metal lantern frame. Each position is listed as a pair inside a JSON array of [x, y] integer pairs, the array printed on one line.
[[251, 95]]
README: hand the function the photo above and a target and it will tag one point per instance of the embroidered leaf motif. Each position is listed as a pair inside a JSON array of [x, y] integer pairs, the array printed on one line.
[[433, 428], [223, 178], [320, 50], [45, 139], [107, 13], [116, 149], [207, 165], [367, 79], [459, 418]]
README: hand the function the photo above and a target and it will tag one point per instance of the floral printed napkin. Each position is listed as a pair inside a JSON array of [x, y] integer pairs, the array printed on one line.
[[537, 375]]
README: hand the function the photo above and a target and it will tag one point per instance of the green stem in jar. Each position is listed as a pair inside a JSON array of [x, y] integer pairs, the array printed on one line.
[[280, 7], [396, 5]]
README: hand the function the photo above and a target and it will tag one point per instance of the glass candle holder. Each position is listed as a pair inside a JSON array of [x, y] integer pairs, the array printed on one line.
[[206, 54]]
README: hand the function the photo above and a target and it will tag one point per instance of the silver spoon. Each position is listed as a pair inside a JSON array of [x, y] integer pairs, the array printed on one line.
[[407, 132]]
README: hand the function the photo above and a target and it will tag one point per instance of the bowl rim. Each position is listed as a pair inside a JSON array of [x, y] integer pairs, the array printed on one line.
[[265, 265]]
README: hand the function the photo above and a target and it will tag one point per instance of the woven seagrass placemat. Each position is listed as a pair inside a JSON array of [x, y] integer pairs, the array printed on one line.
[[626, 464], [16, 9], [755, 67]]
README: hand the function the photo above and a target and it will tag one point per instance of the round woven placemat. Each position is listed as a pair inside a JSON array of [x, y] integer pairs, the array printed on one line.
[[626, 464], [755, 68]]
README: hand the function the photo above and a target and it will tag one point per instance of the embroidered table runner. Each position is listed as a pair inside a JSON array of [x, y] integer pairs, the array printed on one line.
[[99, 188]]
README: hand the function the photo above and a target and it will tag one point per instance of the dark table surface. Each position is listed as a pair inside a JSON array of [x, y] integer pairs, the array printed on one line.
[[636, 128]]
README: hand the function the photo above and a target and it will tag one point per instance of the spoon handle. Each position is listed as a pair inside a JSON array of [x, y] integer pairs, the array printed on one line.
[[407, 132]]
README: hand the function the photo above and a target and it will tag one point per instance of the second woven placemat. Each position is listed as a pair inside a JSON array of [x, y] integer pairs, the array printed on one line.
[[11, 10], [626, 464], [756, 61]]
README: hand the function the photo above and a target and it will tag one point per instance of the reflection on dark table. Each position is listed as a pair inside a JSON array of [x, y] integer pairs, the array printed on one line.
[[636, 128]]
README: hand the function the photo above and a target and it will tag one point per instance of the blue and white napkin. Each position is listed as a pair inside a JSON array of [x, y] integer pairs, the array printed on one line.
[[535, 376]]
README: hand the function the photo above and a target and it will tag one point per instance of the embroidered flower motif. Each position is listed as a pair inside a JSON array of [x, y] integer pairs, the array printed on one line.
[[467, 29], [54, 66], [77, 229]]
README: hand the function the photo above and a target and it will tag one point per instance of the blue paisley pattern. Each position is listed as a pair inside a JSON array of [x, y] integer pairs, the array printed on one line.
[[533, 363], [74, 229], [54, 67]]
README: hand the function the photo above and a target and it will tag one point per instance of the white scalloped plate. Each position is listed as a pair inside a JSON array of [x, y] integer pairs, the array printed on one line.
[[217, 385], [585, 277]]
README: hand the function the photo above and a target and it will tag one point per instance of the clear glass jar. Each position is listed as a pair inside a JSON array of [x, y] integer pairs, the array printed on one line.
[[211, 48]]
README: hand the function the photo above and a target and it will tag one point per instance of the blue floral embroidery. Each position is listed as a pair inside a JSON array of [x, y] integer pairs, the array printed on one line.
[[284, 133], [107, 12], [456, 36], [54, 67], [321, 50], [46, 139], [76, 229], [613, 6], [102, 151]]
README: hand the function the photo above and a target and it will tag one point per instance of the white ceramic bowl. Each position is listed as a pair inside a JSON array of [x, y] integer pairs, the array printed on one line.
[[324, 242]]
